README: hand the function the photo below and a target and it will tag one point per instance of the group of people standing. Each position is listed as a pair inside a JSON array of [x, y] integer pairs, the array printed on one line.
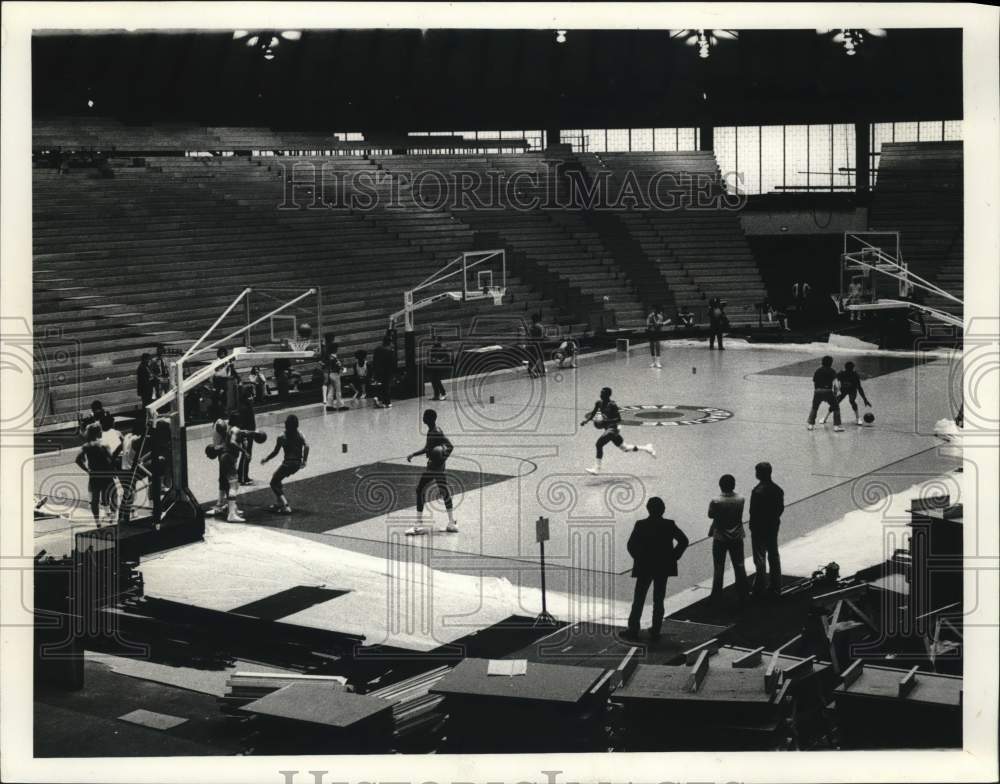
[[115, 464], [657, 322], [657, 544], [378, 373]]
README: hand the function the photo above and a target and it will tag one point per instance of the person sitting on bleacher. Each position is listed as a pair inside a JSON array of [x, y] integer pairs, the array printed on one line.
[[683, 318], [568, 349], [83, 422]]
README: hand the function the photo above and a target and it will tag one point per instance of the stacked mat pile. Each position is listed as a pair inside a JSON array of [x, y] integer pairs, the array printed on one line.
[[416, 713], [243, 688]]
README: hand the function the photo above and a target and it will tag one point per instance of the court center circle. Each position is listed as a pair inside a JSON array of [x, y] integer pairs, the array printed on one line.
[[668, 415]]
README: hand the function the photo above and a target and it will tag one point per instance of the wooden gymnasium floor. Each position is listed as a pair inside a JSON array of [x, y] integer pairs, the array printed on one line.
[[521, 453]]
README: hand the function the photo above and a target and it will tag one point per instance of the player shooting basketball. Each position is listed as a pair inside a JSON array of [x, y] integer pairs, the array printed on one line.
[[229, 445], [437, 449], [606, 416]]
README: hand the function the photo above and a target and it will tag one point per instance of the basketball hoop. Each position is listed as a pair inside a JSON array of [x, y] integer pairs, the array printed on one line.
[[297, 344]]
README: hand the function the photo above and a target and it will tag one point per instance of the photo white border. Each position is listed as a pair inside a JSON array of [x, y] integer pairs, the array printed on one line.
[[981, 32]]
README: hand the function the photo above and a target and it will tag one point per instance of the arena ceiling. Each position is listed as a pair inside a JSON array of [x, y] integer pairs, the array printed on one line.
[[368, 80]]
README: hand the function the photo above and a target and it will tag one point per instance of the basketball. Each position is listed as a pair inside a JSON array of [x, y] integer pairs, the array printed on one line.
[[305, 330], [210, 452], [868, 418], [258, 437], [599, 421], [438, 454]]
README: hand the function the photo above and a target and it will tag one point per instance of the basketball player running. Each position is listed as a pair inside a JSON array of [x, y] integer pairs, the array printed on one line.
[[296, 454], [437, 449], [850, 387], [608, 417]]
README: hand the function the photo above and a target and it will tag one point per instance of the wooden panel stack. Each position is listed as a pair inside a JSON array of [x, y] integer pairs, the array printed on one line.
[[883, 707], [307, 717], [551, 708], [416, 713], [725, 698]]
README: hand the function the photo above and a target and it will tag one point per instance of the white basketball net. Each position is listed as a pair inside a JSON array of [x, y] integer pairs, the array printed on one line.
[[298, 344]]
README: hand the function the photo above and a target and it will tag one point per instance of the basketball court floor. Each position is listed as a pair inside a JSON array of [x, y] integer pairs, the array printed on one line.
[[521, 454]]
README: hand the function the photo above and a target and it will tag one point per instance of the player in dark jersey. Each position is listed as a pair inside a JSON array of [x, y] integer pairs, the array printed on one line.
[[850, 387], [437, 449], [606, 416], [99, 462], [824, 381], [296, 454]]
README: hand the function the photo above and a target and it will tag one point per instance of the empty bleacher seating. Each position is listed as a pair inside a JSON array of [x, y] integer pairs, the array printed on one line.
[[919, 193]]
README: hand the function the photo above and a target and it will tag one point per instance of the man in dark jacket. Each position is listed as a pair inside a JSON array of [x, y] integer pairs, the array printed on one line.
[[656, 545], [384, 361], [718, 322], [145, 381], [438, 362], [767, 502]]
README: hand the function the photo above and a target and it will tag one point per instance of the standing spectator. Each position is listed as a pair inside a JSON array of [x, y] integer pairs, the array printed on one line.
[[225, 381], [824, 381], [245, 420], [654, 325], [717, 322], [111, 436], [332, 369], [362, 372], [136, 456], [727, 534], [161, 370], [767, 502], [145, 380], [438, 362], [656, 545], [258, 383], [536, 336], [96, 460], [384, 361]]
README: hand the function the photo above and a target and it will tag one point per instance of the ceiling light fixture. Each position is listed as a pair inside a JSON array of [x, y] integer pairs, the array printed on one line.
[[265, 41], [704, 39], [560, 36], [852, 39]]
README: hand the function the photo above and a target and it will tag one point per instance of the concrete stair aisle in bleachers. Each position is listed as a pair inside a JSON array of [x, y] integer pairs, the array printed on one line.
[[700, 238]]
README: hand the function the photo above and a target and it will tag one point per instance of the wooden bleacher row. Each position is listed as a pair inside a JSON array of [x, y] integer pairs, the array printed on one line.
[[109, 254], [701, 253], [93, 133], [919, 193]]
